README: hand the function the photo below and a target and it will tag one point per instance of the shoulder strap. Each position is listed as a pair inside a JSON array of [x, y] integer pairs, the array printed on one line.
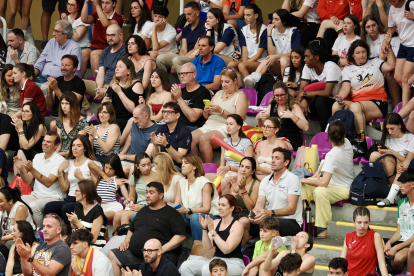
[[395, 169], [251, 187]]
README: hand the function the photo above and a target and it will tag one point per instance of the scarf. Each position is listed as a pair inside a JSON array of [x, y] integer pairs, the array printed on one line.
[[87, 265]]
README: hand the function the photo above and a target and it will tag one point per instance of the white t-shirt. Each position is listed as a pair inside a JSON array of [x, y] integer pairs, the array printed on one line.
[[47, 167], [168, 34], [277, 194], [401, 145], [101, 265], [73, 181], [341, 45], [339, 162], [8, 221], [84, 41], [248, 39], [286, 76], [312, 14], [285, 42], [331, 73], [205, 7], [146, 30], [404, 25], [375, 46]]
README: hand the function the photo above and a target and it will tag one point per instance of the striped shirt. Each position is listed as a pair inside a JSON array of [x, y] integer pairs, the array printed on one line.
[[87, 221], [99, 151], [107, 191]]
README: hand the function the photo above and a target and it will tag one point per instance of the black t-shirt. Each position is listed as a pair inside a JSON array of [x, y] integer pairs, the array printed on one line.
[[7, 128], [76, 85], [194, 99], [164, 268], [120, 109], [161, 224]]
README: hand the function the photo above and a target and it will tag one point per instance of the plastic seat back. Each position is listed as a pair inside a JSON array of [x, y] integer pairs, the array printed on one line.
[[397, 108], [324, 145], [210, 168], [251, 94], [266, 99]]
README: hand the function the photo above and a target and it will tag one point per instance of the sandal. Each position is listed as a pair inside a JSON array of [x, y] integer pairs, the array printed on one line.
[[376, 125], [322, 235]]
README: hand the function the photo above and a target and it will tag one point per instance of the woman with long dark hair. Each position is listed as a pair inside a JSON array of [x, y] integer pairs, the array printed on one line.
[[141, 21], [9, 90], [159, 93]]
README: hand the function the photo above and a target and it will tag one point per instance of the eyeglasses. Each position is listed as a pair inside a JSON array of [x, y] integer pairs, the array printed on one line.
[[169, 112], [280, 95], [56, 31], [111, 35], [184, 73], [71, 5], [268, 127], [149, 251], [55, 216]]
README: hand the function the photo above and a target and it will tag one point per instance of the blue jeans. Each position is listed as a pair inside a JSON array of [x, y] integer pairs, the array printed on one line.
[[193, 224]]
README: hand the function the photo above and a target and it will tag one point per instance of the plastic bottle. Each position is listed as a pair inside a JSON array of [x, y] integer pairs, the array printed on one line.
[[362, 136], [279, 241]]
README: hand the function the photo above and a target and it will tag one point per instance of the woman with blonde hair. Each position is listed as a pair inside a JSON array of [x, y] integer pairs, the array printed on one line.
[[9, 91], [228, 101], [168, 175], [125, 91]]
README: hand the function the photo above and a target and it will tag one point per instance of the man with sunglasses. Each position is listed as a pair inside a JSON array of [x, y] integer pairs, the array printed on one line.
[[172, 137]]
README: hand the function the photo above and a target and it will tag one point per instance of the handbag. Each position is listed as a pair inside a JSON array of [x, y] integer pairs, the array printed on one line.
[[17, 182]]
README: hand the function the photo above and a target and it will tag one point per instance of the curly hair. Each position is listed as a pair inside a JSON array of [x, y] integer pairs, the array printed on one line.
[[319, 47], [357, 43], [144, 17]]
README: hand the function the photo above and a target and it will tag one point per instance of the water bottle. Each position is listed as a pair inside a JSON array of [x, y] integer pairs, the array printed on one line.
[[279, 241]]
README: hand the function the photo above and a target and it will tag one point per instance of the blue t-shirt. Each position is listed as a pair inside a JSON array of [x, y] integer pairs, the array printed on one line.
[[192, 35], [141, 138], [207, 72], [108, 60], [3, 165]]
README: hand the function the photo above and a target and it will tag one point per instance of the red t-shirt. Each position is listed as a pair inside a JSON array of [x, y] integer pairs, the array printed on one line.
[[328, 8], [33, 92], [362, 256], [99, 31], [356, 8]]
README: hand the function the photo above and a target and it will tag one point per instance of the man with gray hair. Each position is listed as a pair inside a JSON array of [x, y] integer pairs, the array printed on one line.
[[49, 62], [190, 98]]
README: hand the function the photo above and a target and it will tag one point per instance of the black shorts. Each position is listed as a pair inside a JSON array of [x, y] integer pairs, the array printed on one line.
[[49, 5], [127, 259], [382, 106], [394, 244]]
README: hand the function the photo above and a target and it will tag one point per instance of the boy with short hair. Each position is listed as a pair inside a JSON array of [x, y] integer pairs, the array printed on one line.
[[218, 267], [338, 267], [290, 264], [269, 228], [163, 34]]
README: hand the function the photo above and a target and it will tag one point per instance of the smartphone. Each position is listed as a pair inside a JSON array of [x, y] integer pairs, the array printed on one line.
[[338, 99], [381, 145], [178, 206], [207, 103], [252, 215]]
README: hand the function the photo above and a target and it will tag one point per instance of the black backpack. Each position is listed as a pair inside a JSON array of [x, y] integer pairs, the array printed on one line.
[[345, 116], [264, 86], [371, 184]]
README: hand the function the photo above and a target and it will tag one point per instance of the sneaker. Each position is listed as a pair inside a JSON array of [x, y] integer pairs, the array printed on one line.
[[44, 42], [385, 202], [249, 82]]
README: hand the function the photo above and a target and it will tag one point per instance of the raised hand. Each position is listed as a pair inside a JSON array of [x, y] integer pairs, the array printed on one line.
[[63, 166]]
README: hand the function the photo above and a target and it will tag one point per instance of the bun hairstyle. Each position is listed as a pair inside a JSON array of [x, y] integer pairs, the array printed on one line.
[[337, 132], [233, 203]]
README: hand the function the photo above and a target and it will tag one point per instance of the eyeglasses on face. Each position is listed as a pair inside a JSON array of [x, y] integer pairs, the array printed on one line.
[[56, 31], [268, 127], [280, 95], [169, 112], [149, 251], [103, 112], [184, 73]]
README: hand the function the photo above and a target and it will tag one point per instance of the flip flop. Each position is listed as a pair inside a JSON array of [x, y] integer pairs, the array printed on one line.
[[376, 125], [322, 235]]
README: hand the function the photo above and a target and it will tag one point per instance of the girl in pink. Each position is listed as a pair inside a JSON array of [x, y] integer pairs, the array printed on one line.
[[363, 248]]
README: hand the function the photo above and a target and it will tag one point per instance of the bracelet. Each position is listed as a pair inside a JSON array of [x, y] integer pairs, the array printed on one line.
[[229, 167], [204, 228], [103, 175], [297, 120], [243, 194], [222, 112]]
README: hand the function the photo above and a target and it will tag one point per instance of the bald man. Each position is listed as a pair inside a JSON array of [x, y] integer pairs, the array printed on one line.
[[107, 62]]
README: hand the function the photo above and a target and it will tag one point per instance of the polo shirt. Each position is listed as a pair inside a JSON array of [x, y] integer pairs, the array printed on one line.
[[192, 35], [164, 268], [47, 167], [31, 91], [179, 138], [405, 219], [206, 72], [277, 194]]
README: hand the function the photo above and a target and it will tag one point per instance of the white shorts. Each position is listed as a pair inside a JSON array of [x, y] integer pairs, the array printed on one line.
[[112, 206], [221, 129]]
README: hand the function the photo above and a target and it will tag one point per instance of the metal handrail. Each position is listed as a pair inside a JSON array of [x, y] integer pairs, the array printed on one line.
[[4, 34]]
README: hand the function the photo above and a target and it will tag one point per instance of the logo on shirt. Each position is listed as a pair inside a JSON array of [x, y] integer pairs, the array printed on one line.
[[43, 257]]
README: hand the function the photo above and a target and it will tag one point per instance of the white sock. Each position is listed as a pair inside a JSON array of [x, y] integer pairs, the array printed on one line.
[[393, 192], [256, 76], [24, 32]]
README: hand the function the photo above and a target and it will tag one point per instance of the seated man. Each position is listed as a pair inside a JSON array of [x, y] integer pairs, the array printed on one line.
[[107, 62], [279, 196], [51, 257], [44, 170], [67, 82], [208, 64], [80, 245], [49, 62], [20, 50], [157, 220], [338, 266], [190, 98], [163, 34], [172, 137]]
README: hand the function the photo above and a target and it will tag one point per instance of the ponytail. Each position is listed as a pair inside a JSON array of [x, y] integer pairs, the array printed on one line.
[[14, 194]]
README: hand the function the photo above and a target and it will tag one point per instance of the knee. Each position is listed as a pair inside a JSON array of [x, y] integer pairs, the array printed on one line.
[[355, 108], [232, 64], [112, 257], [204, 139], [319, 192], [411, 115], [284, 61], [411, 250], [245, 222], [405, 77], [241, 66]]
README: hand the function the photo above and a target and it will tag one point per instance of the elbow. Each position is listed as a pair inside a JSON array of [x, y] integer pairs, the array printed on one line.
[[193, 119], [306, 128]]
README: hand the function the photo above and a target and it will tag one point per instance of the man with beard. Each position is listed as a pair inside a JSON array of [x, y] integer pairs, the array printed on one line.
[[107, 63], [20, 50]]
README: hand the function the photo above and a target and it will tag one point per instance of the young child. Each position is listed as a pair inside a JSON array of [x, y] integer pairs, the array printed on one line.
[[338, 267], [290, 264], [218, 267], [269, 228]]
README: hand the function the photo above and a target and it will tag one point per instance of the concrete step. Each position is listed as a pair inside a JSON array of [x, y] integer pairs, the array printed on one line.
[[338, 229]]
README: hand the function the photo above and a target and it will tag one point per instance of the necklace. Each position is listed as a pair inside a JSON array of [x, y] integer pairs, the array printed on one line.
[[227, 95]]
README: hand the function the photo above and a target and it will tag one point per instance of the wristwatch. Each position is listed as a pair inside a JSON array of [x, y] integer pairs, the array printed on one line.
[[96, 137], [190, 212], [273, 213], [167, 145], [30, 260], [305, 95]]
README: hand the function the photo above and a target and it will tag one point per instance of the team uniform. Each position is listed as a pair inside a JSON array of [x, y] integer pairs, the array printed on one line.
[[231, 39], [405, 28], [248, 39]]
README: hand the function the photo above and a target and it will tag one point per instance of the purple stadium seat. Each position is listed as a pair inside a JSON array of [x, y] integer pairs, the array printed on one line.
[[246, 260], [397, 108], [324, 145], [369, 144], [93, 118], [181, 85], [264, 103], [252, 95], [41, 234], [304, 143], [48, 112], [210, 168], [339, 203], [91, 78]]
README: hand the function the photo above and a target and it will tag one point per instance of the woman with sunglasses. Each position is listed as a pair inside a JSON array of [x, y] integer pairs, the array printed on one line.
[[228, 101], [141, 22], [284, 107], [159, 93]]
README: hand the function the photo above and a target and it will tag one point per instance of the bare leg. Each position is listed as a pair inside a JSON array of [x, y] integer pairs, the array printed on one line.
[[394, 88], [374, 156], [410, 259], [117, 220], [119, 7], [3, 8], [233, 23], [22, 157], [389, 167], [212, 177], [196, 134], [371, 112], [86, 53], [399, 66], [234, 64], [25, 13], [246, 233], [206, 145], [400, 259], [284, 62], [406, 110], [45, 23], [408, 71], [95, 56], [410, 122], [225, 185], [245, 68], [116, 264], [226, 59], [126, 217], [12, 13]]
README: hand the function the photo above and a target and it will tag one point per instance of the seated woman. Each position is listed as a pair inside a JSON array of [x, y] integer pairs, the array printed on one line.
[[80, 30], [225, 234], [228, 101], [24, 231], [142, 175], [319, 68], [252, 40], [407, 112], [141, 21], [282, 37], [239, 141], [363, 248], [284, 107], [70, 122], [168, 175], [196, 194], [159, 93], [264, 148], [338, 174], [364, 79], [9, 91], [80, 165], [31, 129], [352, 30], [125, 92], [106, 136], [137, 52], [89, 214], [398, 151]]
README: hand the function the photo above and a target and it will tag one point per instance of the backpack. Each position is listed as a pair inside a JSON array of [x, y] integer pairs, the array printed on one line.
[[181, 20], [346, 116], [264, 86], [371, 184]]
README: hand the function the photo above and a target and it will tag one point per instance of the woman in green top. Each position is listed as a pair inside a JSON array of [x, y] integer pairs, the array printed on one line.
[[139, 179]]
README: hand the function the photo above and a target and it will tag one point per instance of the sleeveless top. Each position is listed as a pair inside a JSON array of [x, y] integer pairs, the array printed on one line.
[[120, 109], [87, 221], [265, 162], [361, 256], [215, 120], [107, 191], [288, 128], [140, 73], [156, 108], [236, 253], [99, 151], [239, 199], [7, 220], [67, 137]]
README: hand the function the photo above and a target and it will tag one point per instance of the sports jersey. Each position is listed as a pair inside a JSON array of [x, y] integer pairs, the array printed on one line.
[[342, 45], [285, 42], [236, 4], [331, 73], [248, 39], [230, 38], [404, 25]]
